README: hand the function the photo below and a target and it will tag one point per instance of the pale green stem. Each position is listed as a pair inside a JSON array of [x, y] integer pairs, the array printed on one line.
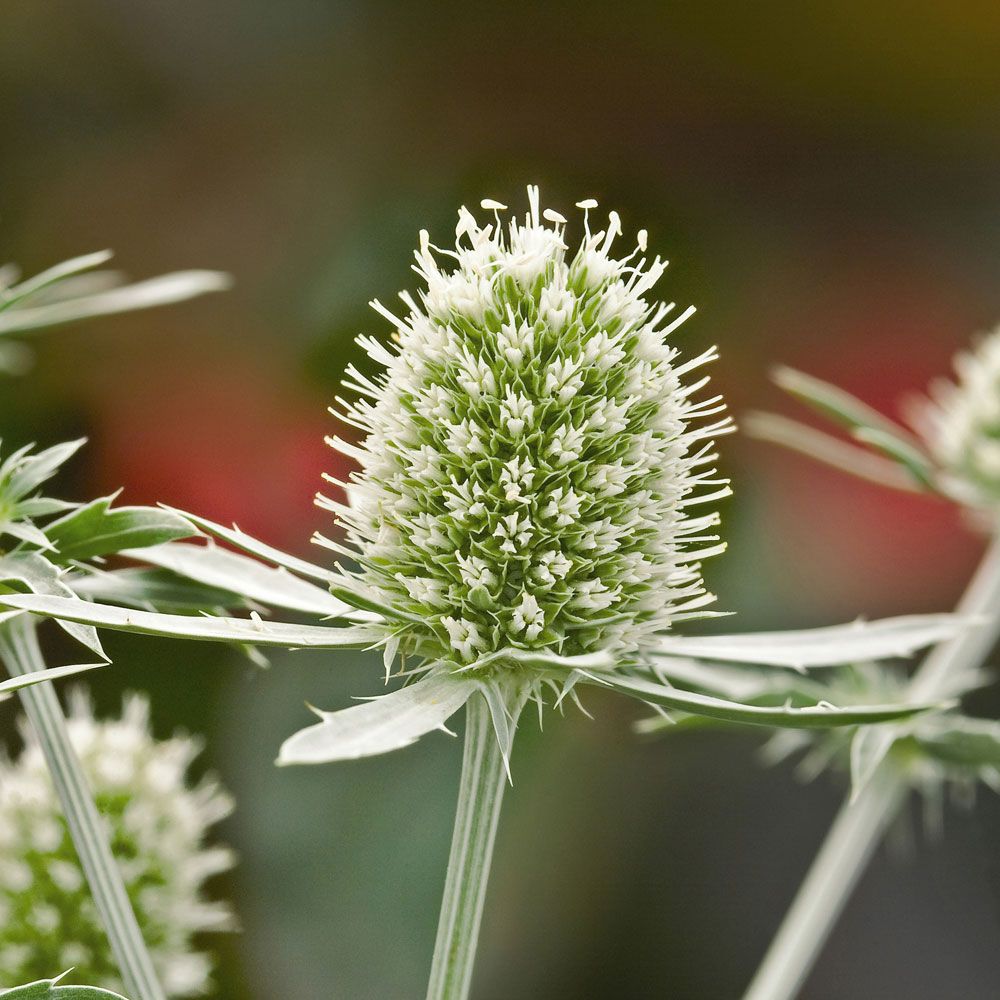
[[21, 654], [480, 794], [860, 824]]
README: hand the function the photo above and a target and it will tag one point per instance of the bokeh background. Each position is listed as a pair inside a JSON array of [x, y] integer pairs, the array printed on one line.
[[824, 179]]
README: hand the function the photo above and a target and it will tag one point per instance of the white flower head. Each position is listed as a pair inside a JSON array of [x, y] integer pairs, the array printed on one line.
[[531, 447], [961, 425], [158, 822]]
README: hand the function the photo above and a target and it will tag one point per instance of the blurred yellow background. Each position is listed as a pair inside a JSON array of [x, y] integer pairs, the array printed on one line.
[[825, 182]]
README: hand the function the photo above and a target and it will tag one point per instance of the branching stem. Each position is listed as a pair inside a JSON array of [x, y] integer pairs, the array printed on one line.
[[860, 824]]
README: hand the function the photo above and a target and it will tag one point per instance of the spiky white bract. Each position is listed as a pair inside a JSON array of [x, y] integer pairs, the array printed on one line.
[[158, 823], [961, 425], [532, 453]]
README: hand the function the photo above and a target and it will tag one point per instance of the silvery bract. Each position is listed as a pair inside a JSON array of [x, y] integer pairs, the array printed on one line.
[[157, 822]]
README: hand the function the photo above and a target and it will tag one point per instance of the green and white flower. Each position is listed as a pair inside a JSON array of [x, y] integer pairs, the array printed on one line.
[[157, 820], [533, 466]]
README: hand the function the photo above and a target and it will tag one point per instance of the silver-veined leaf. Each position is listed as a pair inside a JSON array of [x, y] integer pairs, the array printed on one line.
[[241, 540], [832, 401], [960, 740], [820, 716], [255, 631], [98, 529], [22, 472], [800, 649], [49, 674], [54, 989], [164, 290], [827, 449], [152, 589]]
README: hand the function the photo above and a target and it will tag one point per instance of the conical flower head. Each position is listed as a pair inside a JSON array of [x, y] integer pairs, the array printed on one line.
[[157, 825], [529, 466], [961, 425]]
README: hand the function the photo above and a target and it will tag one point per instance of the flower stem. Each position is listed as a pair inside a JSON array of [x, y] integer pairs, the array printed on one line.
[[21, 654], [860, 824], [480, 795]]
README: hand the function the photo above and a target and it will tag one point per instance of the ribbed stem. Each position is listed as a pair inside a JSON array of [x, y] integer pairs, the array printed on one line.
[[480, 795], [860, 824], [21, 654]]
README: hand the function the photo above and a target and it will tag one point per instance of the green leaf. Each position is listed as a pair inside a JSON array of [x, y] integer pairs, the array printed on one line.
[[386, 723], [44, 506], [37, 574], [216, 567], [53, 275], [98, 529], [23, 472], [834, 402], [803, 648], [821, 716], [254, 631], [960, 740], [747, 683], [50, 989]]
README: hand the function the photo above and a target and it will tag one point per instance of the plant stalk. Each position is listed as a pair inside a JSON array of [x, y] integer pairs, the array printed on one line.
[[480, 794], [20, 653], [860, 824]]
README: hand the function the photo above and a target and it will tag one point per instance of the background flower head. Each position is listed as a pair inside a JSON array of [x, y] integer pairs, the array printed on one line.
[[158, 822], [961, 424]]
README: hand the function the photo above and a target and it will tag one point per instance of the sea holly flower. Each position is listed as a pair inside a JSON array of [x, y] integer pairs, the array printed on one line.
[[528, 516], [75, 290], [953, 452], [158, 821], [953, 448]]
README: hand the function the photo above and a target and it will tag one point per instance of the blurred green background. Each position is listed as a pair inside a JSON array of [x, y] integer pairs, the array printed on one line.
[[824, 179]]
